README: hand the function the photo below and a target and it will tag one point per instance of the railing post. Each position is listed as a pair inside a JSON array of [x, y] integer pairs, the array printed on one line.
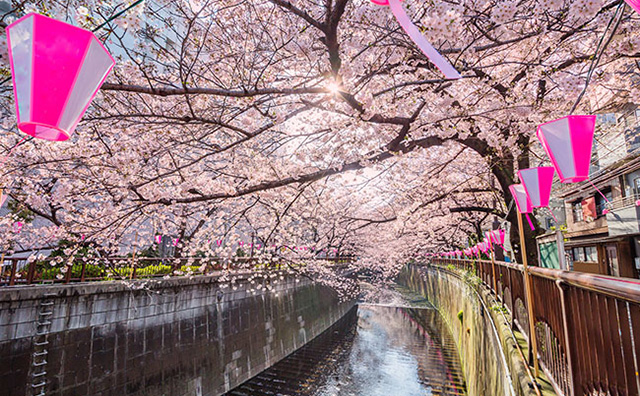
[[529, 293], [568, 329], [32, 272], [84, 267], [493, 265], [67, 277], [12, 277]]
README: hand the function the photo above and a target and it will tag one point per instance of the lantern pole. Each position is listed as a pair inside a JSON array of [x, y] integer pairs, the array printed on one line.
[[493, 266], [528, 291]]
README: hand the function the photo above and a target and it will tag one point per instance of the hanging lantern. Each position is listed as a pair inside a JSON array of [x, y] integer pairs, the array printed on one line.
[[498, 237], [158, 239], [520, 196], [419, 39], [57, 70], [537, 183], [635, 4], [488, 237], [483, 247], [3, 197], [568, 142], [17, 227]]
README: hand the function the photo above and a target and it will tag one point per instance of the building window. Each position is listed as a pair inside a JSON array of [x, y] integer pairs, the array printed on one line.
[[591, 254], [587, 254], [601, 203], [578, 254], [577, 211], [549, 223], [570, 254]]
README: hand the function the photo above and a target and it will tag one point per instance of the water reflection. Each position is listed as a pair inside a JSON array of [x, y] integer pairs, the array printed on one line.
[[385, 351]]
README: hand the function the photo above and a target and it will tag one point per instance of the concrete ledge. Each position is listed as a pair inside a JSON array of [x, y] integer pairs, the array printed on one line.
[[178, 336], [491, 362]]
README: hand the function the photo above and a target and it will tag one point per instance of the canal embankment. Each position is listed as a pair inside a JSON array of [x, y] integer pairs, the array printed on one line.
[[491, 361], [181, 336]]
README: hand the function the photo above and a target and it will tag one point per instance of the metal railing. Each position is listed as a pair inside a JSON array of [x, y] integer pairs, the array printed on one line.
[[20, 271], [587, 326]]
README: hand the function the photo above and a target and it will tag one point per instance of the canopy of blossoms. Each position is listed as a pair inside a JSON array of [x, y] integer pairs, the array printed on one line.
[[303, 128]]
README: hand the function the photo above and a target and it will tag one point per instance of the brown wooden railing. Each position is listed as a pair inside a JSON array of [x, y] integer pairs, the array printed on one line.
[[587, 326], [20, 271]]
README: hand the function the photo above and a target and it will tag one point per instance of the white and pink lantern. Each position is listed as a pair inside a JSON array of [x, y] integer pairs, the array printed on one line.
[[567, 141], [537, 184], [57, 69], [635, 4], [483, 247], [520, 196], [498, 237], [488, 238]]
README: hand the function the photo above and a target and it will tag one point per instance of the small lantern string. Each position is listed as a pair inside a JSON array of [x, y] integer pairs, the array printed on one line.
[[6, 157], [530, 222], [594, 186]]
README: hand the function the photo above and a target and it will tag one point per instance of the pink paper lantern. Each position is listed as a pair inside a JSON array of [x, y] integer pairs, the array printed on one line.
[[158, 239], [17, 227], [568, 142], [498, 237], [537, 183], [635, 4], [488, 238], [57, 70], [520, 196]]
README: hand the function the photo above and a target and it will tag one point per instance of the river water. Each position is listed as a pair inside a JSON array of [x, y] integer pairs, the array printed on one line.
[[397, 348]]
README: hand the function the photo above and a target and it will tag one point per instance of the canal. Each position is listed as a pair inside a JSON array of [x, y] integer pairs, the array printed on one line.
[[400, 347]]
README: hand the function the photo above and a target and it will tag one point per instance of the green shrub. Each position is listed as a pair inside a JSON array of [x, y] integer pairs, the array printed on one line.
[[190, 268], [151, 270], [91, 271]]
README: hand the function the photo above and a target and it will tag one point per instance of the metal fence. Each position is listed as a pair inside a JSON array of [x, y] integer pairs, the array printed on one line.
[[20, 271], [587, 326]]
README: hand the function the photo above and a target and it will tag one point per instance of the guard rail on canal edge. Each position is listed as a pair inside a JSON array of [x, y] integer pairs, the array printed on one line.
[[20, 271], [587, 326]]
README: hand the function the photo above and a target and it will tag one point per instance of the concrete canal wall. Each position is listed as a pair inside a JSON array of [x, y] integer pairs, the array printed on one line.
[[491, 363], [177, 336]]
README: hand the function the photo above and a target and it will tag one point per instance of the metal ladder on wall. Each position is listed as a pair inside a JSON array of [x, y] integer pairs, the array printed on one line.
[[40, 344]]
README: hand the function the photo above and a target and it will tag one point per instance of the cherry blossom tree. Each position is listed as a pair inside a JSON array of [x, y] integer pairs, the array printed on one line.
[[313, 124]]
